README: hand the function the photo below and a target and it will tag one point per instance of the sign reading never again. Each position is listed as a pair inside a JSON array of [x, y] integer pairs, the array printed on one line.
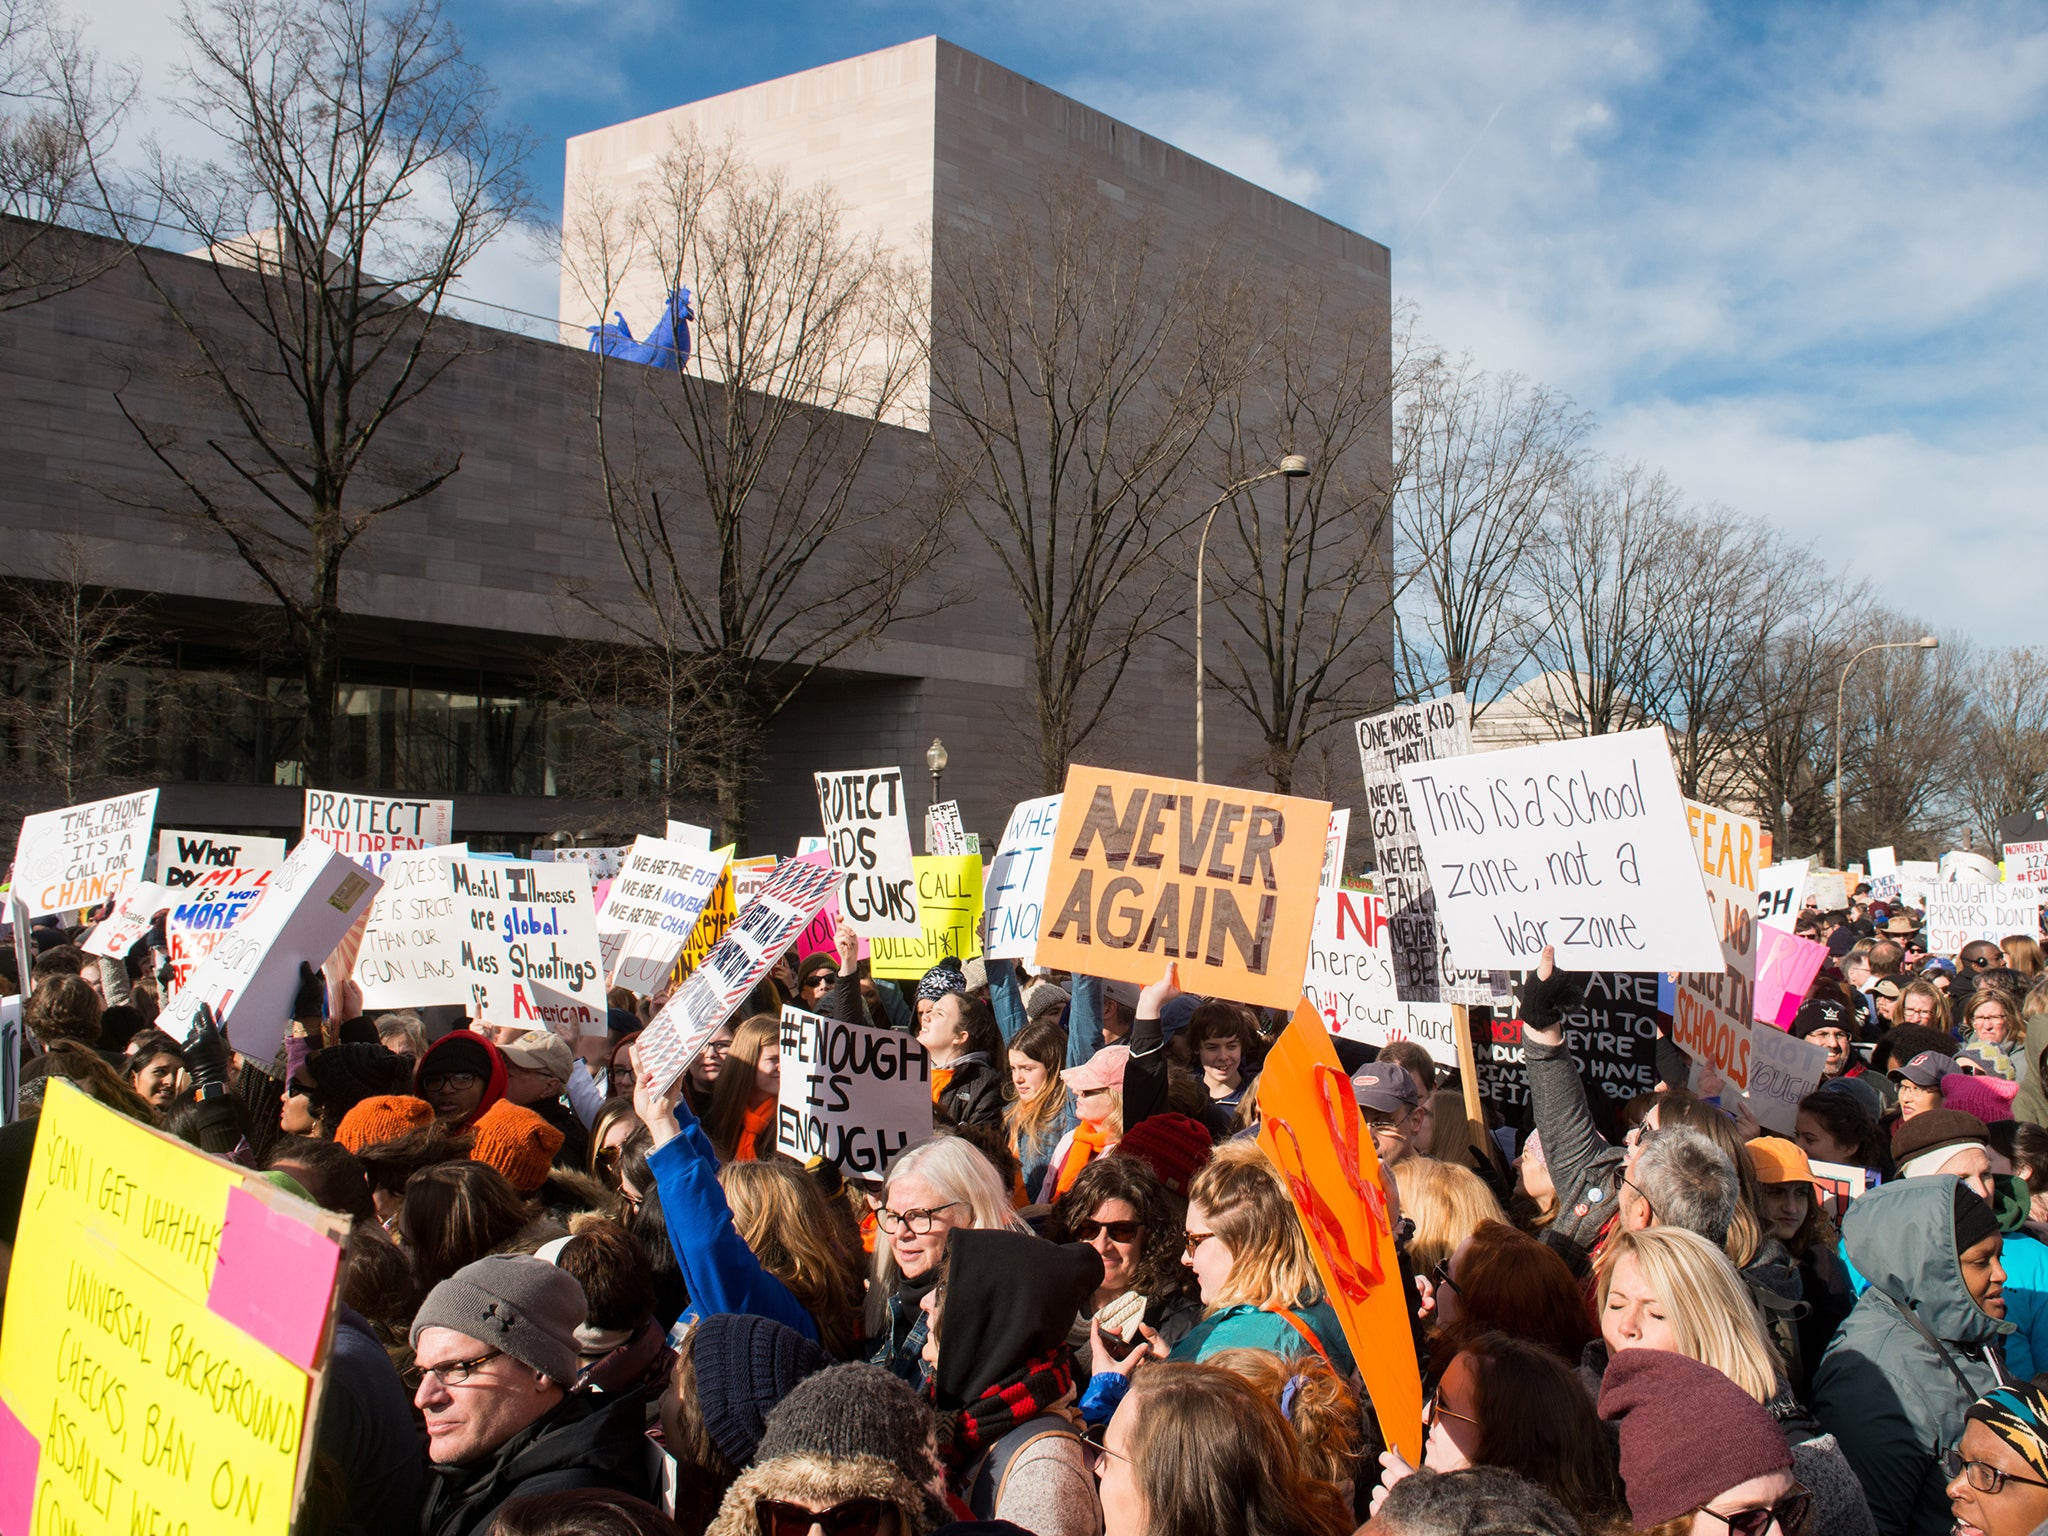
[[1146, 870]]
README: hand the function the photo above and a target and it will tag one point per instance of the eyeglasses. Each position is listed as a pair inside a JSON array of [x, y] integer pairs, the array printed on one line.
[[917, 1223], [856, 1517], [716, 1048], [1195, 1240], [1632, 1184], [453, 1373], [1095, 1448], [1115, 1231], [1788, 1514], [455, 1080], [1440, 1277], [1434, 1409], [1981, 1475]]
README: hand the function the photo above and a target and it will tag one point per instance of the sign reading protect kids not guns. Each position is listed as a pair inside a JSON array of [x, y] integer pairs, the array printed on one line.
[[1146, 870], [161, 1357], [867, 828], [1311, 1128]]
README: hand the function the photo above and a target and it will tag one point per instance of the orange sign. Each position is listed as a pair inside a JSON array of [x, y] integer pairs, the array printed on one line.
[[1147, 870], [1311, 1128]]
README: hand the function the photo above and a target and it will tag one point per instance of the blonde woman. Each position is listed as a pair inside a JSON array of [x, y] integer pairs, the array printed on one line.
[[781, 1215], [1447, 1203], [2023, 955], [1670, 1289], [1321, 1410], [1994, 1032]]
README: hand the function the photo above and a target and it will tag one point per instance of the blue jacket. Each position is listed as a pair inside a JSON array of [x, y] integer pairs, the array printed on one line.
[[1248, 1327], [1084, 1039]]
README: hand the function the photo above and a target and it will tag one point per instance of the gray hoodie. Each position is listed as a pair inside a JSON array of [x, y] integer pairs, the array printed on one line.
[[1882, 1390]]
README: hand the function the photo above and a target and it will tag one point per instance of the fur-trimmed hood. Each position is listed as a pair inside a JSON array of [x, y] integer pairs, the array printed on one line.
[[819, 1481]]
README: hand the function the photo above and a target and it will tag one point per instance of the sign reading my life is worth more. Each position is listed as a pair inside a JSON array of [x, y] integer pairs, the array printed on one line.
[[1146, 870], [1577, 844]]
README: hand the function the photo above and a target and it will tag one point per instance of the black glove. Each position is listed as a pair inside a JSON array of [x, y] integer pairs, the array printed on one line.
[[206, 1056], [309, 1003], [1544, 1002]]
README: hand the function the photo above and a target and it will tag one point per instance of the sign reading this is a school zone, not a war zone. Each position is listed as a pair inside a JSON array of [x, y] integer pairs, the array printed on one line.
[[1146, 870]]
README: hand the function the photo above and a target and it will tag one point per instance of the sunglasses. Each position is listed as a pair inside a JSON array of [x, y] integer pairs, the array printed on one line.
[[822, 979], [1434, 1410], [1440, 1277], [855, 1517], [1195, 1240], [1115, 1231], [1788, 1514]]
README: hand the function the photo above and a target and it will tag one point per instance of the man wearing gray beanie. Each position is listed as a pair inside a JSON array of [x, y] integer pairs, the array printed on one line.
[[494, 1348]]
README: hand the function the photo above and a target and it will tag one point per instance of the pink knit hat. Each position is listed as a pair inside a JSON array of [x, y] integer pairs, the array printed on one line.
[[1988, 1098]]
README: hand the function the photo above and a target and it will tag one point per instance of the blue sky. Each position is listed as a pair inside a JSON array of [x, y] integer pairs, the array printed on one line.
[[1794, 254]]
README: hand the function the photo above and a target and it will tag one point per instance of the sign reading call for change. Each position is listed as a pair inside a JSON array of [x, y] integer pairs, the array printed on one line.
[[1146, 870]]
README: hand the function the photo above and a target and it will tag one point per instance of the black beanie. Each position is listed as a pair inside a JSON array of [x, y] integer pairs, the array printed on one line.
[[745, 1366], [350, 1073], [1975, 1220], [849, 1411]]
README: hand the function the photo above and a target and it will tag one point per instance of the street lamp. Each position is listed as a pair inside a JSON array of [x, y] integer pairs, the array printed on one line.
[[1924, 643], [1294, 466], [935, 759]]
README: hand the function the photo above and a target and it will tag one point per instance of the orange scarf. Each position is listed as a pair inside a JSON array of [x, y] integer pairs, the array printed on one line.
[[758, 1119], [941, 1076], [1089, 1143]]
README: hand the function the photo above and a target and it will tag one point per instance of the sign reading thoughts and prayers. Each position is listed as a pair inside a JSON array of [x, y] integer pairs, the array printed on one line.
[[530, 952], [949, 907], [1962, 914], [81, 855], [182, 857], [1016, 880], [867, 827], [1351, 980], [854, 1095], [1413, 733], [1147, 870], [371, 828], [1581, 845], [652, 909], [411, 954]]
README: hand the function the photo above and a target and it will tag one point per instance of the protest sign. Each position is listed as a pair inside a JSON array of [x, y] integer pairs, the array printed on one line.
[[1964, 866], [308, 905], [1577, 844], [603, 863], [1309, 1125], [1714, 1008], [1350, 980], [652, 909], [1146, 870], [719, 911], [821, 937], [160, 1360], [691, 836], [1413, 733], [1962, 914], [1827, 890], [529, 952], [200, 917], [83, 854], [2026, 863], [749, 875], [948, 907], [853, 1095], [868, 829], [1782, 1071], [1781, 894], [1334, 847], [1883, 861], [182, 857], [943, 832], [1785, 968], [411, 953], [370, 828], [1837, 1184], [1016, 880], [808, 844], [1611, 1034], [763, 931], [125, 927]]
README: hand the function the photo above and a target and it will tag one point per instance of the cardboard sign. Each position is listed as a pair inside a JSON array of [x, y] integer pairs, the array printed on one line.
[[760, 935], [603, 863], [1577, 844], [943, 832], [308, 905], [81, 855], [1413, 733], [1962, 914], [1146, 870], [1016, 880], [1785, 967], [370, 828], [1782, 1071], [1334, 847], [1837, 1184], [1350, 979], [1781, 894], [2026, 863], [1827, 890], [1311, 1128], [949, 907], [530, 953], [1714, 1008], [201, 917], [411, 953], [652, 909], [855, 1095], [161, 1359], [129, 922], [697, 839], [182, 857], [868, 829], [749, 875], [1611, 1034]]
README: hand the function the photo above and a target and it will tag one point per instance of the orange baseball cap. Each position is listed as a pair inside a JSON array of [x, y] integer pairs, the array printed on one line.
[[1779, 1161]]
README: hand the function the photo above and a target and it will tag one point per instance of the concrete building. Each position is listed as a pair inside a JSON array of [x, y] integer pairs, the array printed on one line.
[[455, 601]]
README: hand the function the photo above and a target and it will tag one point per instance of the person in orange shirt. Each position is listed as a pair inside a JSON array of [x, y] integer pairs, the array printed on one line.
[[741, 1119]]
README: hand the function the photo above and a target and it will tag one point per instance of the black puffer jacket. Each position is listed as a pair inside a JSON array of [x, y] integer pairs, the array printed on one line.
[[592, 1440], [974, 1096]]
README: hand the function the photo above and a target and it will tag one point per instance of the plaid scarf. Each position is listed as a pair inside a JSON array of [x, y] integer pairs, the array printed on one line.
[[1042, 1382]]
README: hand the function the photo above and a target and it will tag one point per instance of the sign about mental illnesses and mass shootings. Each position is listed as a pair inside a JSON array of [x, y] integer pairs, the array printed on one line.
[[183, 857], [867, 828], [1351, 980], [1713, 1008], [529, 952], [81, 855], [1147, 870], [853, 1095], [1581, 845], [371, 828], [1016, 880]]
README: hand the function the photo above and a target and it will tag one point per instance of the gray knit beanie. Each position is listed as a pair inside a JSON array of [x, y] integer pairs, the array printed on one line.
[[522, 1306], [848, 1411]]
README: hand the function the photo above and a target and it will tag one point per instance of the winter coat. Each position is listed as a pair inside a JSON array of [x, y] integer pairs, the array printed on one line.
[[1883, 1390], [2025, 1261], [2031, 1103], [366, 1425], [974, 1096], [1247, 1327], [589, 1441], [1584, 1165]]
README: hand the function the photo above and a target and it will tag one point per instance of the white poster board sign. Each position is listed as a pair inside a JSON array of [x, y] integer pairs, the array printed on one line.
[[1388, 744], [693, 837], [1781, 893], [1015, 888], [530, 954], [1883, 861], [603, 863], [1963, 914], [867, 827], [182, 857], [651, 910], [1782, 1071], [944, 833], [83, 854], [411, 954], [125, 926], [201, 916], [1334, 847], [2026, 863], [1581, 845], [1350, 979], [371, 828], [855, 1095]]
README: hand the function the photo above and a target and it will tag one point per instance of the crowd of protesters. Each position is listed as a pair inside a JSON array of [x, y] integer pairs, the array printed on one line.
[[579, 1301]]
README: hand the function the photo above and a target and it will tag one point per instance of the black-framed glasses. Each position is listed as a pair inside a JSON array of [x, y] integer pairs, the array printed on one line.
[[1981, 1475], [1195, 1240], [917, 1223], [854, 1517], [458, 1081], [1788, 1514], [1115, 1231], [453, 1373], [1632, 1184], [1440, 1277]]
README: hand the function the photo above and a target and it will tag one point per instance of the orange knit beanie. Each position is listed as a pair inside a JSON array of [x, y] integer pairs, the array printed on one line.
[[385, 1117], [516, 1142]]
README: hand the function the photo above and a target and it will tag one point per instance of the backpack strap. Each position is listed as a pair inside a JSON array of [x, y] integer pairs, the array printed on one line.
[[992, 1476], [1307, 1333], [1935, 1344]]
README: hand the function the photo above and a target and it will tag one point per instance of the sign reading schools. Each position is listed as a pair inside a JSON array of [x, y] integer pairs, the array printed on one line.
[[868, 829], [1146, 870], [1577, 844], [853, 1095], [1712, 1010]]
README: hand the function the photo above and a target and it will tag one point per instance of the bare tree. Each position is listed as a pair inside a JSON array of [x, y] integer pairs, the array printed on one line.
[[1908, 715], [358, 173], [2003, 765], [1488, 456], [760, 540], [1078, 364]]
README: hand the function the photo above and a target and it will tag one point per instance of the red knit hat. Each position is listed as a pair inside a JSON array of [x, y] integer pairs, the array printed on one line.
[[386, 1117], [1174, 1146], [516, 1142], [1688, 1433]]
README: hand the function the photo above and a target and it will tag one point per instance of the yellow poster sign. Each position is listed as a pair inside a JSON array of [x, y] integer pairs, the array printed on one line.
[[948, 907], [712, 922]]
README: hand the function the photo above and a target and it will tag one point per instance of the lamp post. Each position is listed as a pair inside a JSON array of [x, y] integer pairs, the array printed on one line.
[[1924, 643], [1294, 466], [935, 759]]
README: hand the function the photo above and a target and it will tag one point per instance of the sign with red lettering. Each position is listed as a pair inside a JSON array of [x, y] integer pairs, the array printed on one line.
[[529, 950], [82, 855], [1351, 979], [1714, 1008], [370, 828]]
